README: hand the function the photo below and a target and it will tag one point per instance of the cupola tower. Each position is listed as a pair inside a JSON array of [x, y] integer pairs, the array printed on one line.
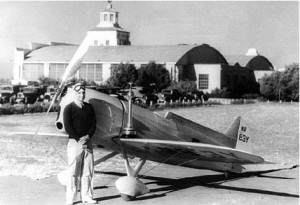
[[108, 32]]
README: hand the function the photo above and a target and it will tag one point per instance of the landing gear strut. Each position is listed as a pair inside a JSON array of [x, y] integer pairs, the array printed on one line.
[[130, 187]]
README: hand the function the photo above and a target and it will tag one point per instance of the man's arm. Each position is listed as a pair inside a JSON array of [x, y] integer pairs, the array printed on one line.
[[92, 128]]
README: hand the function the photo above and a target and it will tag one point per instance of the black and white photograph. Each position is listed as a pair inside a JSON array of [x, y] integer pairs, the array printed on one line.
[[149, 102]]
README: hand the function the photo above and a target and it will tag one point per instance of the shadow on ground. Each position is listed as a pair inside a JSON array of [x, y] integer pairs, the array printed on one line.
[[168, 185]]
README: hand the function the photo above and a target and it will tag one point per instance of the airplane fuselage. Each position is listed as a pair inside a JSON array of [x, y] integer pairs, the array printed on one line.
[[112, 116]]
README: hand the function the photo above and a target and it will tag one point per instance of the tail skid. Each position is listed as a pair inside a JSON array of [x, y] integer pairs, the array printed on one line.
[[240, 132]]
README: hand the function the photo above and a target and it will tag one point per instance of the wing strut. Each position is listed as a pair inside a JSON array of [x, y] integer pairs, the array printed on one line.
[[106, 157]]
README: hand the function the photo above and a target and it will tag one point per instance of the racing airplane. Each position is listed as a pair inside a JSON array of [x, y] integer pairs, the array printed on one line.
[[125, 128]]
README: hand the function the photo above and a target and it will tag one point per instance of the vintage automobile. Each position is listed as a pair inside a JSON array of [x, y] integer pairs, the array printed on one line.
[[168, 95], [31, 94], [49, 94], [187, 97], [6, 92]]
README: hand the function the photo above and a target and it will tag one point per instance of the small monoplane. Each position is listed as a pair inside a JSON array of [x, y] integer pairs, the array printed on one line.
[[125, 128]]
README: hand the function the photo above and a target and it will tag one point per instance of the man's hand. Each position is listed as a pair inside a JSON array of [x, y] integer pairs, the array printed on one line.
[[84, 139]]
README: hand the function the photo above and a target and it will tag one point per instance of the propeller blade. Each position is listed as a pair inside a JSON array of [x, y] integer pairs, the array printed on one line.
[[76, 61], [70, 72]]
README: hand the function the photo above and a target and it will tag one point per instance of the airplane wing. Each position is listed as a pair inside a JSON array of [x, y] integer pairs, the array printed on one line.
[[40, 134], [191, 152]]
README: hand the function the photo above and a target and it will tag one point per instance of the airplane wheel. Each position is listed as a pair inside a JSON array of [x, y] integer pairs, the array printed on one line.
[[126, 197]]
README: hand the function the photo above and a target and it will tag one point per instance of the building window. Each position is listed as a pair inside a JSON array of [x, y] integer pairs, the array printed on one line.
[[105, 17], [56, 70], [98, 72], [203, 81], [111, 17], [95, 43], [107, 42], [91, 72], [32, 71]]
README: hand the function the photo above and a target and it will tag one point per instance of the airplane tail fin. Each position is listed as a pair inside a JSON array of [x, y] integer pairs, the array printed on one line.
[[241, 133]]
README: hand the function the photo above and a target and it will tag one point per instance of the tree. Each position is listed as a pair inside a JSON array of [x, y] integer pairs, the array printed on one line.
[[289, 84], [122, 75], [282, 85], [153, 75], [48, 81]]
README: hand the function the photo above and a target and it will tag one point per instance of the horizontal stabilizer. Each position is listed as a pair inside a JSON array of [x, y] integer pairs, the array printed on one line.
[[267, 167]]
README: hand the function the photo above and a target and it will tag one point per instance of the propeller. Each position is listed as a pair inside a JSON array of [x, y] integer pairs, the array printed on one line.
[[70, 72]]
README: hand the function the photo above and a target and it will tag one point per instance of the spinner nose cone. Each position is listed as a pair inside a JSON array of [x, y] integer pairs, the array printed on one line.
[[59, 125]]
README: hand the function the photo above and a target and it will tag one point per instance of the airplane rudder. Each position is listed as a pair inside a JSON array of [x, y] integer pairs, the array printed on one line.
[[232, 131], [244, 137]]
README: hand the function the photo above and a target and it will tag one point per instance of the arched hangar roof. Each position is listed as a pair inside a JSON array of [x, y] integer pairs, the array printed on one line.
[[177, 54], [203, 54], [260, 63]]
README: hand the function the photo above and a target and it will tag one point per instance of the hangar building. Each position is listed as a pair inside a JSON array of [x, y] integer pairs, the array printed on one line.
[[109, 45]]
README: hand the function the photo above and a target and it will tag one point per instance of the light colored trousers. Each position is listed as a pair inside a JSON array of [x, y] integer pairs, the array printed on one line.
[[81, 170]]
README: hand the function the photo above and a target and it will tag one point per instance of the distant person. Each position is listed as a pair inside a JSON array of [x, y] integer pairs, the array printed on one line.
[[80, 124], [12, 99]]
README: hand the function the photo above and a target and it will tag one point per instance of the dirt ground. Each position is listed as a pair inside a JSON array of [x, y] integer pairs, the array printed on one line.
[[28, 165]]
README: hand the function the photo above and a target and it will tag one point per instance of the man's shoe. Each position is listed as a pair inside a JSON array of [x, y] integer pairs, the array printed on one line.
[[89, 200]]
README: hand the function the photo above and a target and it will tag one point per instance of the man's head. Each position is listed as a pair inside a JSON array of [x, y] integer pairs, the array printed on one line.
[[79, 90]]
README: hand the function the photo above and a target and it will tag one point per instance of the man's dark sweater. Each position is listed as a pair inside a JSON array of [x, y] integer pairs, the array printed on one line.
[[79, 121]]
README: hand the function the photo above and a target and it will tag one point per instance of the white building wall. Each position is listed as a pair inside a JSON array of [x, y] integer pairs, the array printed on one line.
[[46, 69], [102, 38], [214, 73], [18, 62], [171, 68], [18, 67], [106, 71]]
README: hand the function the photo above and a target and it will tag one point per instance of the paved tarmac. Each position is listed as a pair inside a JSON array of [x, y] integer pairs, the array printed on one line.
[[168, 185]]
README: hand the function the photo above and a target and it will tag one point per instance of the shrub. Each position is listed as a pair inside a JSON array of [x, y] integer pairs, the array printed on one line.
[[282, 85], [184, 86]]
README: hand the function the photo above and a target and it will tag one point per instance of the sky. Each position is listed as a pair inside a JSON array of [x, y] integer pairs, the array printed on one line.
[[231, 27]]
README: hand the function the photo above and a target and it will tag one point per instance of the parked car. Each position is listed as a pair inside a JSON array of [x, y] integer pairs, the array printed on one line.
[[138, 92], [186, 97], [6, 91], [199, 95], [18, 99], [32, 93], [49, 94], [169, 94], [151, 98]]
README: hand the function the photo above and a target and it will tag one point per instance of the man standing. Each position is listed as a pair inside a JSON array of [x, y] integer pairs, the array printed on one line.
[[80, 124]]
